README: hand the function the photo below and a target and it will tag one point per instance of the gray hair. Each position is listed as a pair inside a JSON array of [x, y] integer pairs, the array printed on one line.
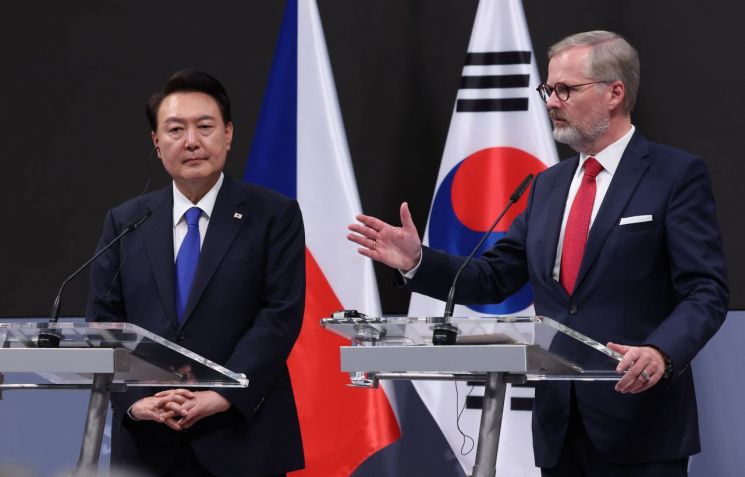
[[611, 58]]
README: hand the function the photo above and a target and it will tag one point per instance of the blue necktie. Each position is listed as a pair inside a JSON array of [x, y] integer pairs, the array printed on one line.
[[187, 259]]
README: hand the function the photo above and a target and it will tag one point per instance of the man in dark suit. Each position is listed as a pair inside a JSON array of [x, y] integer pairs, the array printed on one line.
[[620, 243], [237, 299]]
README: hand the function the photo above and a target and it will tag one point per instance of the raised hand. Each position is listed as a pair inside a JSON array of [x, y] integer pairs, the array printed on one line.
[[397, 247]]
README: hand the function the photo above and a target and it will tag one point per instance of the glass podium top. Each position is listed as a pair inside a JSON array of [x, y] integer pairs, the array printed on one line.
[[535, 346], [135, 356]]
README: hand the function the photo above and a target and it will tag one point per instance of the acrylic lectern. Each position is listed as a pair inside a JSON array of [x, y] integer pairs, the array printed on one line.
[[105, 358], [495, 350]]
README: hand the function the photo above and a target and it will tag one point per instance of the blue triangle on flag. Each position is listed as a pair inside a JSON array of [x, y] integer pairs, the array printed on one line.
[[272, 161]]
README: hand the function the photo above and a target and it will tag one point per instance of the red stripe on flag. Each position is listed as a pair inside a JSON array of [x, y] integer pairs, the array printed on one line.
[[341, 426]]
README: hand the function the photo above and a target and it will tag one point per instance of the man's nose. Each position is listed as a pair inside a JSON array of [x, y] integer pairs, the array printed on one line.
[[553, 101], [192, 141]]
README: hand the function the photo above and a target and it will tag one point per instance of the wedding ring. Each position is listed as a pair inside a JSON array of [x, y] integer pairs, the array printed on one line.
[[644, 375]]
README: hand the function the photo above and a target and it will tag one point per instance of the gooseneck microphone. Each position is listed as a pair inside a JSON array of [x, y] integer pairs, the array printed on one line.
[[50, 338], [446, 334]]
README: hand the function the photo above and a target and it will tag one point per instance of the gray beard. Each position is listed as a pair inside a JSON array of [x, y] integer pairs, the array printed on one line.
[[582, 135]]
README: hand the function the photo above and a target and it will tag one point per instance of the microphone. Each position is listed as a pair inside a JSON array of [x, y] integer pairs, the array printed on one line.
[[445, 334], [51, 338]]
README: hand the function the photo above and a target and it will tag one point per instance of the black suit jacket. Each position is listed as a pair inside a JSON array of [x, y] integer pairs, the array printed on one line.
[[660, 282], [244, 312]]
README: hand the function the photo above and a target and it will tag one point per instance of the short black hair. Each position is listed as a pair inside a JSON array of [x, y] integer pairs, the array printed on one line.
[[187, 80]]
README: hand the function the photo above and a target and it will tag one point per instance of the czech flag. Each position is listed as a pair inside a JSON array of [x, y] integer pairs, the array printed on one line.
[[300, 150]]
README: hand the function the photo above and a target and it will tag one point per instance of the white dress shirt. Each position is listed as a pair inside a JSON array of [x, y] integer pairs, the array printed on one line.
[[181, 204], [609, 158]]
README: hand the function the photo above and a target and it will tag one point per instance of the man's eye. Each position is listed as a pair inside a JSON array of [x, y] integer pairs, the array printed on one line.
[[175, 130]]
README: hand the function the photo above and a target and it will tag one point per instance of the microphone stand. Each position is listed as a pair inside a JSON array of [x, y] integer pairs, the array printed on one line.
[[50, 337], [446, 333]]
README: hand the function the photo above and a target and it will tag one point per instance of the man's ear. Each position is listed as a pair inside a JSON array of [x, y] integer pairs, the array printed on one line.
[[617, 94], [154, 137], [229, 134]]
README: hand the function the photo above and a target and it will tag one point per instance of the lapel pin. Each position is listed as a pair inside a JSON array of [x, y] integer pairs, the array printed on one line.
[[237, 215]]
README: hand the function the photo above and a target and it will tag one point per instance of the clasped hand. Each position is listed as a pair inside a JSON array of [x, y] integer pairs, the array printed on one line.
[[179, 408]]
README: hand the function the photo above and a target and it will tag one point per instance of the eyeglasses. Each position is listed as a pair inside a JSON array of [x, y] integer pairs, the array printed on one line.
[[562, 90]]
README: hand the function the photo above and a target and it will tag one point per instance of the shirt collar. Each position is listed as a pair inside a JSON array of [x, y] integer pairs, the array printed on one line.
[[181, 204], [609, 157]]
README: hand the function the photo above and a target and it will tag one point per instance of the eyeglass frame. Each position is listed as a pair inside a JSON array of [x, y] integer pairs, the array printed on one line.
[[552, 89]]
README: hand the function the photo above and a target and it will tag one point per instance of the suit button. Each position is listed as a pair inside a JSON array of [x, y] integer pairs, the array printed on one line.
[[573, 309], [180, 337]]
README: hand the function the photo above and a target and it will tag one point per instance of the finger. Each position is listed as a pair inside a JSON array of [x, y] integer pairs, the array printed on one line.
[[170, 414], [175, 392], [639, 384], [626, 363], [355, 237], [636, 379], [183, 392], [371, 254], [372, 222], [173, 398], [191, 418], [407, 221], [173, 424], [618, 348], [648, 383], [634, 361], [629, 383], [188, 406], [188, 421], [174, 408], [626, 367], [360, 230], [360, 240]]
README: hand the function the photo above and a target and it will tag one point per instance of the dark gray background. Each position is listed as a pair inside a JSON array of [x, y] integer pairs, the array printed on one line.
[[75, 78]]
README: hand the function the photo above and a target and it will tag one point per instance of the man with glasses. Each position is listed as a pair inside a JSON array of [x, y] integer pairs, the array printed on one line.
[[619, 242]]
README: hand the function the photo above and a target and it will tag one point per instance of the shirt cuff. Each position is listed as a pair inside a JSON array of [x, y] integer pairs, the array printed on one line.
[[410, 274], [130, 415]]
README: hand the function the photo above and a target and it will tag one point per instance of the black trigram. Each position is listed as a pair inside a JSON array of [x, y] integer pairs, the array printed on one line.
[[515, 404], [495, 81]]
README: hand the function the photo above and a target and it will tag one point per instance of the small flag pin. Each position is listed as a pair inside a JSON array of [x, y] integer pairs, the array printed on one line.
[[237, 215]]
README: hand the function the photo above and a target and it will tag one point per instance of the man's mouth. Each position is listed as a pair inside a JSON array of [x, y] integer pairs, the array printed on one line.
[[557, 119]]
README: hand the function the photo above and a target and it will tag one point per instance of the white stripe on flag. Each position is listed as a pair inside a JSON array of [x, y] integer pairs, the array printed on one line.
[[327, 190]]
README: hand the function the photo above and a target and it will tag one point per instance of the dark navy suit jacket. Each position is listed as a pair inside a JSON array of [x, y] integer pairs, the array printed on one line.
[[244, 312], [660, 282]]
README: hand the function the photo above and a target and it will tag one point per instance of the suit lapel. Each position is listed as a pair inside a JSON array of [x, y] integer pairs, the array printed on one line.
[[225, 222], [555, 212], [159, 245], [630, 169]]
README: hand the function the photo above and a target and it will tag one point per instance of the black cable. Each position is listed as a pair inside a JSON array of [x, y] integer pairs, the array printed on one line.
[[459, 412]]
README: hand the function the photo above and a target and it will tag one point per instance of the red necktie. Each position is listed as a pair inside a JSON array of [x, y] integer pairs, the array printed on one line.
[[578, 226]]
